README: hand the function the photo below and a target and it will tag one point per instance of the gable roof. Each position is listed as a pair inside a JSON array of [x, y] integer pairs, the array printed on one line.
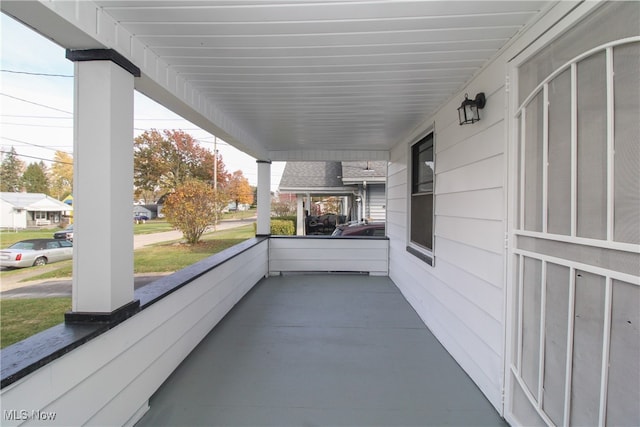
[[34, 202], [311, 175], [330, 177]]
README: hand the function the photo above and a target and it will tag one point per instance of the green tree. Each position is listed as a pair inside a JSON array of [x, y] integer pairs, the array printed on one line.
[[191, 208], [61, 182], [238, 189], [35, 178], [11, 170], [164, 161]]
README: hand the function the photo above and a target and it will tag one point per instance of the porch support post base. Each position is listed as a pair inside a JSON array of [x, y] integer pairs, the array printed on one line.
[[116, 316]]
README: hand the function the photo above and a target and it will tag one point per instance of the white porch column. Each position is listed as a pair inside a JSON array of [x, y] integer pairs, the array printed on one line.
[[103, 186], [345, 206], [300, 215], [264, 198]]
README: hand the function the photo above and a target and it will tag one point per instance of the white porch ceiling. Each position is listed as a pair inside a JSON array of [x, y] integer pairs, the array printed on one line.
[[322, 75]]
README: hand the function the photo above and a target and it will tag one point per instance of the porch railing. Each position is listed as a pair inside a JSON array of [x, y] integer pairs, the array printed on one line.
[[105, 374], [107, 377], [333, 254]]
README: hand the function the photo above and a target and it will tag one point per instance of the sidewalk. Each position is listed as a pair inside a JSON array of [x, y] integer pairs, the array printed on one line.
[[139, 240]]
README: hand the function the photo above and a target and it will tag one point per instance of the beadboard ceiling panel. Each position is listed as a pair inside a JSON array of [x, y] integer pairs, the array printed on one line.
[[324, 75]]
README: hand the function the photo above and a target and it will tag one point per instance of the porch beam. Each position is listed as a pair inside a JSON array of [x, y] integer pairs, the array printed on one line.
[[103, 190]]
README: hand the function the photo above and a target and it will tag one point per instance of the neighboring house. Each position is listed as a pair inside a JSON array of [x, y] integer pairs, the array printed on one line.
[[160, 205], [370, 179], [150, 211], [240, 207], [27, 210], [359, 185]]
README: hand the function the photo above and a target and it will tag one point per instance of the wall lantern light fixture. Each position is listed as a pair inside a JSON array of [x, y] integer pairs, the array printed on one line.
[[468, 110]]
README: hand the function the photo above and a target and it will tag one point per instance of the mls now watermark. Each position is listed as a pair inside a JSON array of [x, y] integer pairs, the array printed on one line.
[[25, 415]]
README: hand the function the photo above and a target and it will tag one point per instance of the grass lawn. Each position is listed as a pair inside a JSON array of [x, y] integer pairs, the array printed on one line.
[[239, 214], [21, 318], [152, 226], [173, 256], [8, 238], [167, 256]]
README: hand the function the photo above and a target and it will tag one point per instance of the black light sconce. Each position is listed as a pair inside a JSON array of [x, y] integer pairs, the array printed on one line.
[[468, 110]]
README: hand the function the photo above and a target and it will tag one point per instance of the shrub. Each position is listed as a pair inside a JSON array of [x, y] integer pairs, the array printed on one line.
[[281, 227], [192, 208], [292, 218]]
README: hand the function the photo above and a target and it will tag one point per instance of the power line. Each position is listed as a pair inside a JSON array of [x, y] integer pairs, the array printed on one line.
[[30, 143], [37, 126], [35, 117], [34, 157], [35, 103], [35, 74]]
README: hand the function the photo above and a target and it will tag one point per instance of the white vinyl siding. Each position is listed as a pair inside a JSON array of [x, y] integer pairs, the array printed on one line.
[[310, 254], [376, 203], [461, 297]]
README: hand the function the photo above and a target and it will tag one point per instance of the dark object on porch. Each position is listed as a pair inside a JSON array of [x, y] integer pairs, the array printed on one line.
[[323, 224]]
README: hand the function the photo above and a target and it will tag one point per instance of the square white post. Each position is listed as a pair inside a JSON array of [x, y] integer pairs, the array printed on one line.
[[264, 198], [300, 215], [103, 189]]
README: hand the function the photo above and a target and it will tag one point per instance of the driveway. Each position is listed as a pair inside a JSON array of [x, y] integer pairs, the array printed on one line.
[[13, 286]]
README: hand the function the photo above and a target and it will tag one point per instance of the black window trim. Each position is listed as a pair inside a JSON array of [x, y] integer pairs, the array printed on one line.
[[422, 253]]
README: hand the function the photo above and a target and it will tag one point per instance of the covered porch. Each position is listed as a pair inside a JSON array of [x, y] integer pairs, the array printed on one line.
[[498, 239], [322, 349]]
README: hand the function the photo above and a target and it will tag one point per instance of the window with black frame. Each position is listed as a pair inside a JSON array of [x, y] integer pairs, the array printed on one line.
[[422, 186]]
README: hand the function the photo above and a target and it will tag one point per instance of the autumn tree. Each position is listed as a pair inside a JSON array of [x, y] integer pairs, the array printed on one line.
[[238, 189], [148, 167], [332, 205], [165, 160], [192, 207], [35, 178], [284, 205], [11, 170], [61, 181]]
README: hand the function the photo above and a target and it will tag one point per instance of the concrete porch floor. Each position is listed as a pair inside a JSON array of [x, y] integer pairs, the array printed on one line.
[[320, 350]]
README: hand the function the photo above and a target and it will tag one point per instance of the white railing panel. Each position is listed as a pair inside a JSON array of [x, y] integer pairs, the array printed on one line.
[[300, 254], [108, 380]]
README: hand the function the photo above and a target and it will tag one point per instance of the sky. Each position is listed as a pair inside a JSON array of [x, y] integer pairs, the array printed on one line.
[[36, 105]]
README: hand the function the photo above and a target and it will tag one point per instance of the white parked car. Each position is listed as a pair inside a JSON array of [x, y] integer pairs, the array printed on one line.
[[33, 252]]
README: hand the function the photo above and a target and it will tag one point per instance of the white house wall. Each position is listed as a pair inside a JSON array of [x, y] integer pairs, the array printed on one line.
[[376, 205], [10, 218], [461, 298]]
